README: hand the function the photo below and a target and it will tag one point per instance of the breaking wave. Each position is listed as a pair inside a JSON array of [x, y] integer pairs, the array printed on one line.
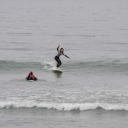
[[64, 106]]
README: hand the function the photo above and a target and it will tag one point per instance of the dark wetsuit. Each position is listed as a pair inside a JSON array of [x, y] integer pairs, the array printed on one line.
[[57, 57]]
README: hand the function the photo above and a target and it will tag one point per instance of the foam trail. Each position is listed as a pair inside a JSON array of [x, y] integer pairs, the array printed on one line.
[[48, 65], [64, 106]]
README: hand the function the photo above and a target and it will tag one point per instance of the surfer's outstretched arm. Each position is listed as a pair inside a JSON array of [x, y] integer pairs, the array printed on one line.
[[66, 56], [58, 47]]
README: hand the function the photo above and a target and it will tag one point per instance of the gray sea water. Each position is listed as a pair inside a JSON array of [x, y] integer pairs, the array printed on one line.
[[92, 91]]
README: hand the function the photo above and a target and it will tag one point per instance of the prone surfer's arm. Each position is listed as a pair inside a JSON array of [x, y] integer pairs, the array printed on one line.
[[35, 76], [27, 77]]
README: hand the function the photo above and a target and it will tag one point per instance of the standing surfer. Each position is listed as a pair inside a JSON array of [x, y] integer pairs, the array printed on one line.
[[60, 52]]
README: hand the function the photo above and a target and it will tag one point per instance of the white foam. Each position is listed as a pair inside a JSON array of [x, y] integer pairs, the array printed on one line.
[[48, 65], [64, 106], [52, 64]]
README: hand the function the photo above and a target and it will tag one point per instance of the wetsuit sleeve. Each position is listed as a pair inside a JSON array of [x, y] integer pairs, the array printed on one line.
[[57, 48], [65, 55]]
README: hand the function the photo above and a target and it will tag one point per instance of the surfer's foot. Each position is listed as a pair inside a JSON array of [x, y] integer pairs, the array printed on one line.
[[57, 68]]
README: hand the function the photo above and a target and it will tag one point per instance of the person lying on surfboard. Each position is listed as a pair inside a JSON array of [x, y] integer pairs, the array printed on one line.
[[60, 52], [31, 76]]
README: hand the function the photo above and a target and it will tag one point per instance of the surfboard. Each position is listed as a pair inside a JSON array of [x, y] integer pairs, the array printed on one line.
[[30, 80], [57, 70]]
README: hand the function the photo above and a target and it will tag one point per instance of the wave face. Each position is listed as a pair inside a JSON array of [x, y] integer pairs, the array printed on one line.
[[113, 66], [64, 106], [10, 65], [100, 65], [105, 66]]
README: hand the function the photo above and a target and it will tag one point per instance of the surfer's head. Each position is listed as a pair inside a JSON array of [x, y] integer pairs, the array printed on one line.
[[31, 73], [62, 50]]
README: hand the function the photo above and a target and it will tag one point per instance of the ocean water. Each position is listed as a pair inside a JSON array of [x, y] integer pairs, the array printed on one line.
[[92, 91]]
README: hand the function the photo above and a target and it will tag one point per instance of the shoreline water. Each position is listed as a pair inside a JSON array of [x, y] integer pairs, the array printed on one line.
[[24, 117]]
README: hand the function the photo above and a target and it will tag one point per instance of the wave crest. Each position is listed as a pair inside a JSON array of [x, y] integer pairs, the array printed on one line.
[[65, 106]]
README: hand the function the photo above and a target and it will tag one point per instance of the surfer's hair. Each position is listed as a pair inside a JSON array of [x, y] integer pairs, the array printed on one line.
[[61, 49], [31, 72]]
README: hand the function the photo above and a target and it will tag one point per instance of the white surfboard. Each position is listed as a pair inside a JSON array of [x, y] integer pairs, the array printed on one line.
[[57, 70]]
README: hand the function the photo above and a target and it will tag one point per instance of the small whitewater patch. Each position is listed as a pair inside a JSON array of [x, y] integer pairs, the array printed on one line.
[[48, 65]]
